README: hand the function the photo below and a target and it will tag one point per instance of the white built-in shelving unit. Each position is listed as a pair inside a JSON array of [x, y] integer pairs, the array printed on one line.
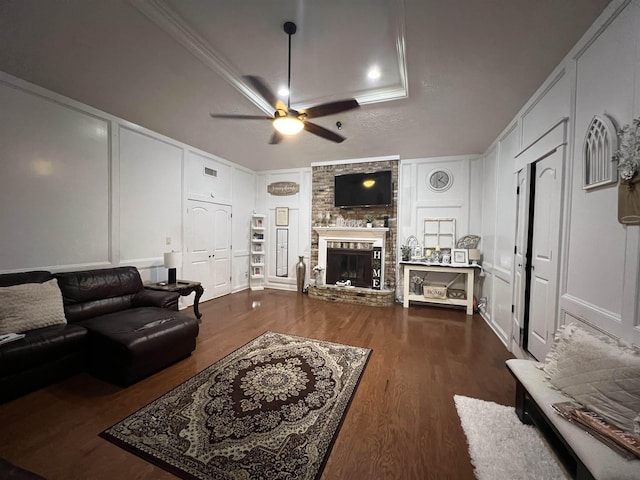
[[258, 251]]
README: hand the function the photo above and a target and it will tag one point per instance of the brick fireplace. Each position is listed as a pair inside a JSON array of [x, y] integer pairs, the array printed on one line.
[[322, 207]]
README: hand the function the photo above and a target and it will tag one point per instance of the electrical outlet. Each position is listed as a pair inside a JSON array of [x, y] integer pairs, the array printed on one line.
[[167, 241]]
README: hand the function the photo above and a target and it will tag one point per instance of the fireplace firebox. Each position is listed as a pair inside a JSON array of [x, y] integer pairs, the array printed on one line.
[[349, 264]]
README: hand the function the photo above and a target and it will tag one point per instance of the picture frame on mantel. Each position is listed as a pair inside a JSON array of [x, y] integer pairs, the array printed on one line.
[[282, 216]]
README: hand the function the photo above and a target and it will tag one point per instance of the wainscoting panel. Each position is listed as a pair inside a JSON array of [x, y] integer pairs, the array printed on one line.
[[55, 173], [207, 179], [501, 321], [150, 189], [551, 104]]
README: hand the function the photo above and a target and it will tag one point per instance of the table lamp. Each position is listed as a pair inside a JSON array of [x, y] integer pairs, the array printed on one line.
[[474, 256], [172, 260]]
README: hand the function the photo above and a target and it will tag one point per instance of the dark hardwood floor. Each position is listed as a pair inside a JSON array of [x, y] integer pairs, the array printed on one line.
[[402, 422]]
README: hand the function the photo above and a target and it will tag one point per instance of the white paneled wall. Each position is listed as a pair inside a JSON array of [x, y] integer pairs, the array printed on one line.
[[600, 260], [416, 201], [54, 182], [299, 207], [85, 189], [243, 201], [150, 182]]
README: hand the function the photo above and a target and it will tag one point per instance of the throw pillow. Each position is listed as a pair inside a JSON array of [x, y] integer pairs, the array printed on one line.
[[28, 306], [600, 373], [563, 333]]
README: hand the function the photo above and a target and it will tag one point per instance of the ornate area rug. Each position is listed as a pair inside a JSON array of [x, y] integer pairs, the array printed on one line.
[[269, 410], [501, 447]]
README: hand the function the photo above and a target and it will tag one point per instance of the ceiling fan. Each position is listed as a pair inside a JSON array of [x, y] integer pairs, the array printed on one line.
[[286, 120]]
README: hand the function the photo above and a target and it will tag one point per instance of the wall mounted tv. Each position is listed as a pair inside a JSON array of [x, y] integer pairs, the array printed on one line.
[[363, 189]]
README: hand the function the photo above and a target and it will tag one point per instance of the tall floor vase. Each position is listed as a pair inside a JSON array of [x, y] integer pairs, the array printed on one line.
[[301, 270]]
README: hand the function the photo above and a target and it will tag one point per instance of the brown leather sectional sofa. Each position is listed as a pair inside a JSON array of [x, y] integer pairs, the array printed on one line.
[[115, 329]]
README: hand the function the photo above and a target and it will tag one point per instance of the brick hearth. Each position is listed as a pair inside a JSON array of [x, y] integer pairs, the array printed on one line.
[[357, 295]]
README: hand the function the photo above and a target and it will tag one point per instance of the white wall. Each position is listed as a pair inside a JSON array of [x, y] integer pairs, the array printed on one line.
[[416, 201], [84, 189], [599, 278], [54, 183], [299, 206]]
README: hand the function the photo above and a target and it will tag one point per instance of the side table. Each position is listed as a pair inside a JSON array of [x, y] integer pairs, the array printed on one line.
[[183, 287]]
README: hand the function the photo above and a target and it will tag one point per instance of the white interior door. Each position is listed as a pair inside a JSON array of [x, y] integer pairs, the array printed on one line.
[[207, 241], [221, 258], [544, 253], [519, 283]]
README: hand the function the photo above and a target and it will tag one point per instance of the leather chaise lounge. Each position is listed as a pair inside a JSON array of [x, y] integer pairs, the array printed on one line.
[[114, 328]]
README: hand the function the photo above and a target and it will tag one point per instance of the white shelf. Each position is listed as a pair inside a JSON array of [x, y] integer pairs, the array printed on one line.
[[257, 227], [444, 301]]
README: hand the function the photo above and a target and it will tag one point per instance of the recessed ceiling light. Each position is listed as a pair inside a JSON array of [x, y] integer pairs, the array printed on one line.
[[374, 73], [283, 91]]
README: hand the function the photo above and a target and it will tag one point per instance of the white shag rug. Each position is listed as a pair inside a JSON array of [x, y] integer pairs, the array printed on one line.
[[501, 447]]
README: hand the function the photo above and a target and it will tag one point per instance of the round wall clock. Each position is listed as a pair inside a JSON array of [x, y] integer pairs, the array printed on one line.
[[440, 180]]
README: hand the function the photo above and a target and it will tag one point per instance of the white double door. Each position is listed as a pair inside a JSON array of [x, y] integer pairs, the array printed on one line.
[[208, 247], [537, 253]]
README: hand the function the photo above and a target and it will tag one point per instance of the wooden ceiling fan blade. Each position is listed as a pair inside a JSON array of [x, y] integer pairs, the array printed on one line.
[[275, 138], [240, 117], [261, 87], [331, 108], [323, 132]]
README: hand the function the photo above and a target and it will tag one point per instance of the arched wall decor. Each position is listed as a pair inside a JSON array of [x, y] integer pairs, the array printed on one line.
[[600, 143]]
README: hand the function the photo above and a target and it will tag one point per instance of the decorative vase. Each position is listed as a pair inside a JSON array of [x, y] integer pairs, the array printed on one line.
[[301, 270], [629, 201]]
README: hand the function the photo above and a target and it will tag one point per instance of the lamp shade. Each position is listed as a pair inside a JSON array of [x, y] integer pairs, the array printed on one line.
[[474, 254], [172, 259]]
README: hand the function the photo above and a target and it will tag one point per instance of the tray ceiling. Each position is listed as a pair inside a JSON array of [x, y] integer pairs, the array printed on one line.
[[453, 73]]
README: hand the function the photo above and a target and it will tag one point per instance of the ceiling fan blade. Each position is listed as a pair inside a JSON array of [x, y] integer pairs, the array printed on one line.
[[240, 117], [262, 88], [330, 108], [323, 132], [275, 138]]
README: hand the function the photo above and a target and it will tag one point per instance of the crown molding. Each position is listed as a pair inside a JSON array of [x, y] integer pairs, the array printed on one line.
[[159, 12]]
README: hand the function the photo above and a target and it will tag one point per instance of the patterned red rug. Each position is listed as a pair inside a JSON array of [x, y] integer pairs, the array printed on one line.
[[271, 410]]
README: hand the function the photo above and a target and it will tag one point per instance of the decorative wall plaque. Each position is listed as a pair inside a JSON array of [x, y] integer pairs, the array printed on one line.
[[283, 189], [600, 142]]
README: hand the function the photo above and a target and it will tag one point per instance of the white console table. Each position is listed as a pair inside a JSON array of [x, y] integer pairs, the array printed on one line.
[[426, 267]]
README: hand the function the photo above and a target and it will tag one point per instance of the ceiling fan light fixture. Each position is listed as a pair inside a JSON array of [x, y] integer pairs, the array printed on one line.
[[288, 125]]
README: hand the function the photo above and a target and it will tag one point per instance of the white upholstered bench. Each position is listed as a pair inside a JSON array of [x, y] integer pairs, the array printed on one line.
[[584, 457]]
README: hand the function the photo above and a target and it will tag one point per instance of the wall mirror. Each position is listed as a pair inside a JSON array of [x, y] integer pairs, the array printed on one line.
[[282, 252]]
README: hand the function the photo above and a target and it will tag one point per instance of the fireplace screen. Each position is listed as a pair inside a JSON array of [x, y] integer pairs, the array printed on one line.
[[349, 264]]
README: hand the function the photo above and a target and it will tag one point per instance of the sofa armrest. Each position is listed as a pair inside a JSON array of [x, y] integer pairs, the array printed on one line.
[[156, 298]]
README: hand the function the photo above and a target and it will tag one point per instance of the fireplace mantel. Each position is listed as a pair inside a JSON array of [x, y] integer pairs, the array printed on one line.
[[351, 233], [375, 236]]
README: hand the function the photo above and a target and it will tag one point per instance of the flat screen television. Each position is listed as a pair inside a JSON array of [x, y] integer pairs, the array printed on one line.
[[363, 189]]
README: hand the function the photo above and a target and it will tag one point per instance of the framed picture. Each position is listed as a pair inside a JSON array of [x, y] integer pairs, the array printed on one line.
[[459, 256], [282, 216]]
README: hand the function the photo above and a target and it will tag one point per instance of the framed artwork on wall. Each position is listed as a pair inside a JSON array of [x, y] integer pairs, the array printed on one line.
[[459, 256], [282, 216]]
